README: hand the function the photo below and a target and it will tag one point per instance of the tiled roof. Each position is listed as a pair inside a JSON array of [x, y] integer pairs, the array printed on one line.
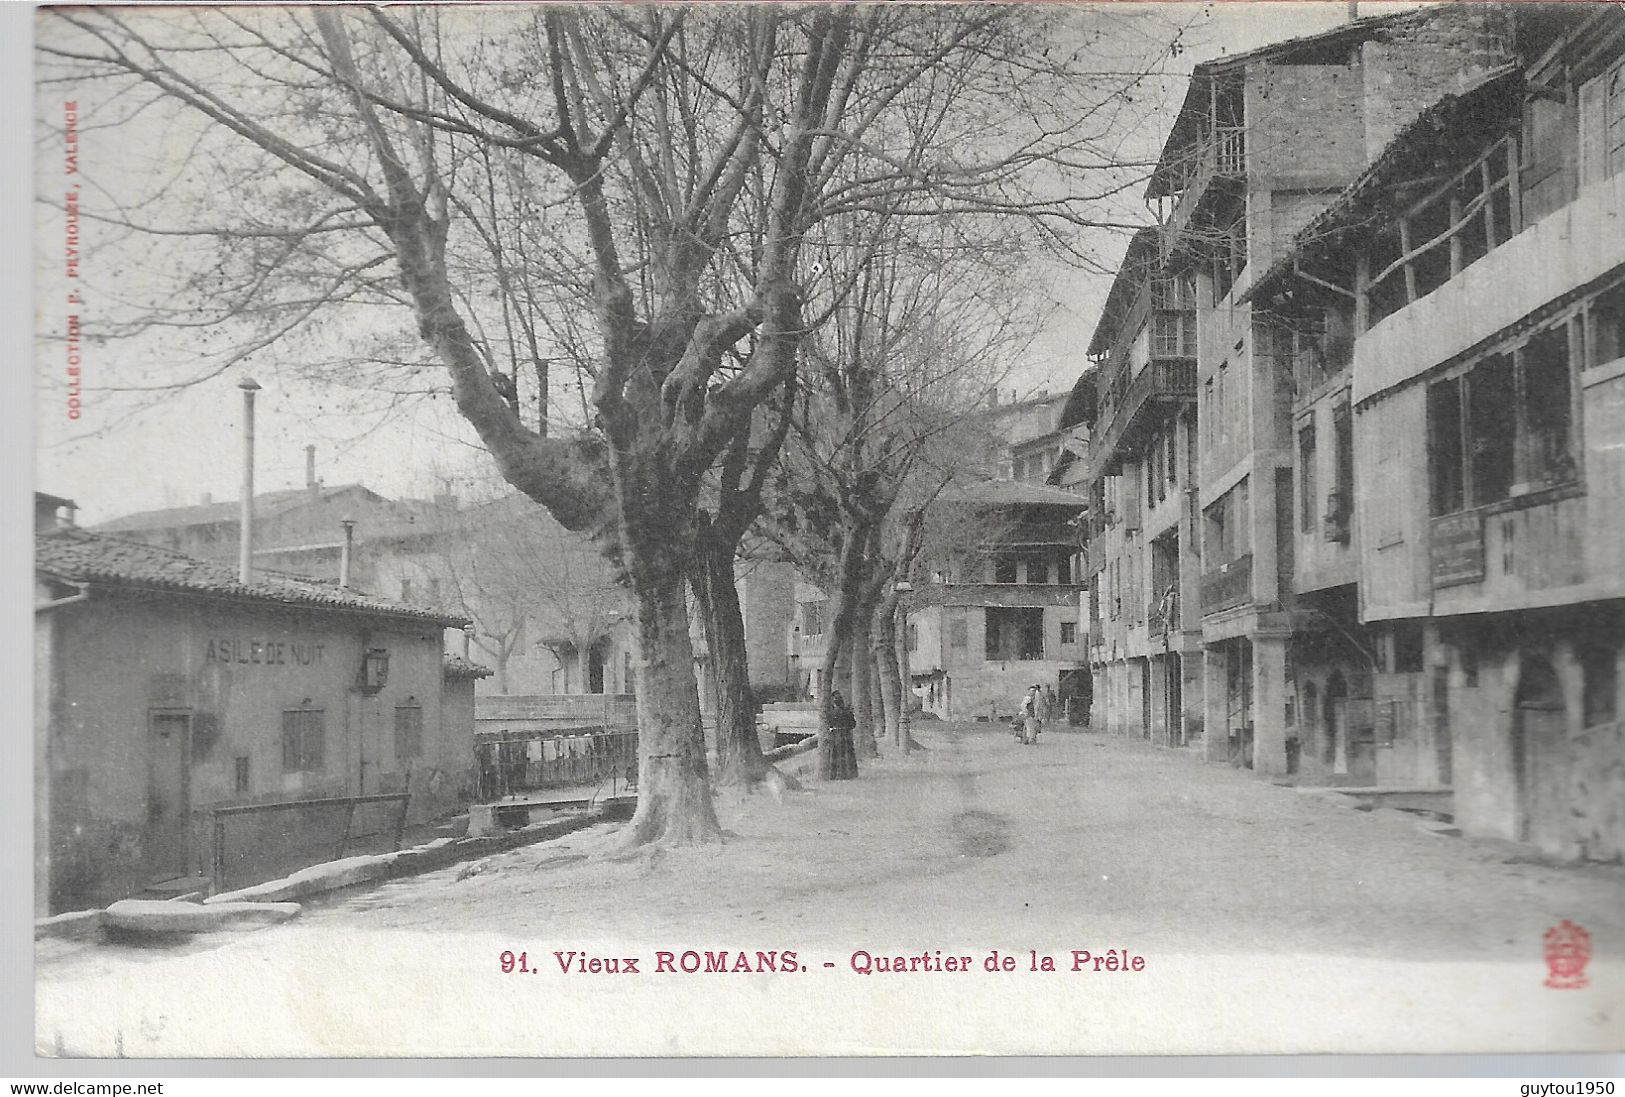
[[455, 666], [265, 503], [76, 555]]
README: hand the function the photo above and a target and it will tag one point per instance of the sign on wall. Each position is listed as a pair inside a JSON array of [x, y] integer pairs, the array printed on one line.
[[1457, 549], [272, 653]]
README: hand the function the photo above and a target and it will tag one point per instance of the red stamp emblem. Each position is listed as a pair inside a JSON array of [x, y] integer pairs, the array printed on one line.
[[1567, 951]]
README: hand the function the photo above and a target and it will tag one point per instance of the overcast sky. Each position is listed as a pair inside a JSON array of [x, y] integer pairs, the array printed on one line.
[[191, 445]]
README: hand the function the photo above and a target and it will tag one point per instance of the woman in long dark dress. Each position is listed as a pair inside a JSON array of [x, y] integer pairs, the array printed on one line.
[[841, 723]]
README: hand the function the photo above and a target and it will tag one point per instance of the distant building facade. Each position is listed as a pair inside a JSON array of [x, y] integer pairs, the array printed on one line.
[[1001, 612]]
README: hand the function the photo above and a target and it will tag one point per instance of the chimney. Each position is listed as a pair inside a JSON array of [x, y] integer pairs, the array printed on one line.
[[344, 553], [310, 470], [993, 397], [245, 533]]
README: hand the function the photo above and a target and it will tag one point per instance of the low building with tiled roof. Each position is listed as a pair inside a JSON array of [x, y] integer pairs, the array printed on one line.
[[168, 688], [76, 556]]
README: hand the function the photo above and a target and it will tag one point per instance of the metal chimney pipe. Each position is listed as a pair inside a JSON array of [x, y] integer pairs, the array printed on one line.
[[245, 533], [310, 467], [344, 553]]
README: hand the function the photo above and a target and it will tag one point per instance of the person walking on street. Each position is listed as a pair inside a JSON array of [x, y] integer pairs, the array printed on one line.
[[1032, 720]]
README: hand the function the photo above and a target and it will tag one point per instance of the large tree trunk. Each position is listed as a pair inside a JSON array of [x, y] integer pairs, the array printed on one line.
[[837, 759], [674, 787], [863, 735], [884, 650], [656, 520], [739, 751]]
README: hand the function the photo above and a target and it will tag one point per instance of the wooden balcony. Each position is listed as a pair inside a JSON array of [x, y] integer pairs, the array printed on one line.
[[1221, 155], [1146, 400], [1162, 618], [1228, 586]]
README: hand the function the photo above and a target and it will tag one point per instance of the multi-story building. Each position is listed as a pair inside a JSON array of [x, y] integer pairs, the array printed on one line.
[[1192, 458], [1479, 268], [1000, 613], [300, 530], [1144, 651]]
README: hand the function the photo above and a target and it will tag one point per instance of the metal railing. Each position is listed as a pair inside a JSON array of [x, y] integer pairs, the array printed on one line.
[[251, 843], [514, 763]]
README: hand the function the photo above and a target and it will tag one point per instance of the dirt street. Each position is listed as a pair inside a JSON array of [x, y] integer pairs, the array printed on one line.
[[1268, 919]]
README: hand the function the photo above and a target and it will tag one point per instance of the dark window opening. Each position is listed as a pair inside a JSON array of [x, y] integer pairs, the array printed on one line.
[[1014, 633], [1444, 446], [1492, 429], [1599, 667], [1548, 454], [1408, 648], [1069, 632], [1004, 569], [1340, 503]]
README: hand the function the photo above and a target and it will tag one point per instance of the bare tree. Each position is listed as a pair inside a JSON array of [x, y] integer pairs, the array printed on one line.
[[522, 578], [917, 331], [658, 170]]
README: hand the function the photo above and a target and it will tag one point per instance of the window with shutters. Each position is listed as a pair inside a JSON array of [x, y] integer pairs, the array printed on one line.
[[303, 740]]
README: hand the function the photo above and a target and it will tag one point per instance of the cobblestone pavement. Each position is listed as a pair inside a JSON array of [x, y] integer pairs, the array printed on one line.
[[1270, 919]]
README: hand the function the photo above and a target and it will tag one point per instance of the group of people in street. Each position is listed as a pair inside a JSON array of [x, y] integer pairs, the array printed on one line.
[[1036, 708]]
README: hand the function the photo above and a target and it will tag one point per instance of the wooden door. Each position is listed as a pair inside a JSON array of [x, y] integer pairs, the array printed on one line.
[[169, 809], [1540, 753]]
